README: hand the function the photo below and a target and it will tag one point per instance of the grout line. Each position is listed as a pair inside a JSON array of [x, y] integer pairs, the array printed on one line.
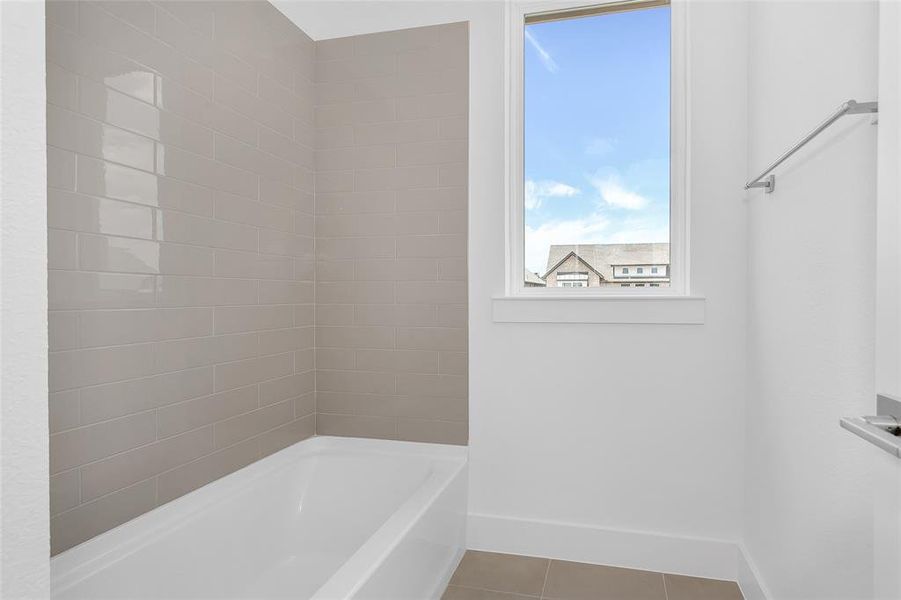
[[546, 573]]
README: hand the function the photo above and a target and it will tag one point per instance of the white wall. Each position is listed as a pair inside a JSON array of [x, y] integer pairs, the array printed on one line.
[[808, 505], [606, 446], [24, 478]]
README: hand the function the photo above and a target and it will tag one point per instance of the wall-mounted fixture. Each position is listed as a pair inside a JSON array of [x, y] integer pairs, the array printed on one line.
[[851, 107]]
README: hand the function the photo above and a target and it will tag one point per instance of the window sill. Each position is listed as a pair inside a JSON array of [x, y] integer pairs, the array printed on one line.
[[658, 310]]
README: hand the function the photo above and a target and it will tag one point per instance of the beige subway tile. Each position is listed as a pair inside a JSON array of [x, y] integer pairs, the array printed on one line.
[[284, 147], [193, 168], [431, 338], [286, 244], [397, 361], [392, 42], [304, 269], [115, 327], [294, 100], [355, 225], [230, 263], [198, 16], [253, 107], [118, 37], [286, 435], [60, 168], [453, 128], [334, 270], [232, 319], [61, 87], [442, 408], [185, 416], [137, 13], [185, 197], [450, 315], [357, 67], [76, 212], [88, 520], [452, 269], [369, 247], [86, 444], [363, 157], [355, 426], [354, 337], [453, 363], [432, 59], [280, 194], [128, 397], [242, 156], [236, 429], [110, 106], [285, 340], [355, 202], [305, 361], [334, 48], [63, 13], [173, 355], [401, 269], [98, 178], [64, 408], [417, 385], [285, 292], [451, 175], [443, 199], [339, 136], [334, 314], [62, 330], [114, 473], [201, 231], [85, 58], [61, 249], [335, 358], [432, 106], [437, 246], [74, 132], [396, 132], [400, 314], [177, 291], [254, 370], [335, 181], [305, 405], [78, 368], [285, 388], [336, 115], [433, 431], [335, 92], [431, 153], [355, 292], [346, 403], [399, 178], [194, 107], [304, 179], [64, 492], [431, 292], [453, 222], [230, 207], [191, 476], [126, 255], [304, 315]]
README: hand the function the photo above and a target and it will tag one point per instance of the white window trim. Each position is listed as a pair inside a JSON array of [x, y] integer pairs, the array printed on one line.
[[679, 168]]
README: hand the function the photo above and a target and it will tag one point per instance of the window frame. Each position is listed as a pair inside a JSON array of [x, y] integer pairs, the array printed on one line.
[[679, 152]]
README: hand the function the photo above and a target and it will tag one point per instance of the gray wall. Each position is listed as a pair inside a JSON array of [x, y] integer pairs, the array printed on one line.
[[180, 250], [391, 215]]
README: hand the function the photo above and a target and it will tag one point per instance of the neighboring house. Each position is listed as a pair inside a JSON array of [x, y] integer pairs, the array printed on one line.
[[597, 265], [533, 279]]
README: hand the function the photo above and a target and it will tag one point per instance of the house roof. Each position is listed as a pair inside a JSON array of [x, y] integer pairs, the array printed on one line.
[[530, 277], [603, 257]]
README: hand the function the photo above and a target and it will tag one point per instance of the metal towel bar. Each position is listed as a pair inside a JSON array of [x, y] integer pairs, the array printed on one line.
[[851, 107]]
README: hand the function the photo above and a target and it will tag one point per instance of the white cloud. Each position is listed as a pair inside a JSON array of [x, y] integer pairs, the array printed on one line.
[[535, 192], [546, 59], [614, 194], [538, 240], [600, 146]]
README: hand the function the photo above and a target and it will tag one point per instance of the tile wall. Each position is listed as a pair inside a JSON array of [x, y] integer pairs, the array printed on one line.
[[391, 218], [181, 244]]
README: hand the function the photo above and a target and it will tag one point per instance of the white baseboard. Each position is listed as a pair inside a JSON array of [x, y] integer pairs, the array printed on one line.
[[715, 559], [752, 587]]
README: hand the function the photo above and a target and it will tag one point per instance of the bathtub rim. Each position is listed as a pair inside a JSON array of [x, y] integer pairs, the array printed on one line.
[[75, 564]]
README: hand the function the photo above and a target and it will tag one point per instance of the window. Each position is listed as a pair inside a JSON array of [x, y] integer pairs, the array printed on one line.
[[597, 143]]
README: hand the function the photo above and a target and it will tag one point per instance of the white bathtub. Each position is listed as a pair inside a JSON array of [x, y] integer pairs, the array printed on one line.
[[327, 518]]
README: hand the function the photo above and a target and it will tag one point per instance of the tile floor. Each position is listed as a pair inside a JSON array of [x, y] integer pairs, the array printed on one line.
[[491, 576]]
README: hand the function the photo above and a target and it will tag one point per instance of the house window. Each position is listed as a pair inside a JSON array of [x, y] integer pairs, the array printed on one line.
[[596, 132]]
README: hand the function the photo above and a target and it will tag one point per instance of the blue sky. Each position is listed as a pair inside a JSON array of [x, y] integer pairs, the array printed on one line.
[[596, 131]]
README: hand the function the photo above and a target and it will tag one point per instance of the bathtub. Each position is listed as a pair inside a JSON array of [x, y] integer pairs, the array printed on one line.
[[327, 518]]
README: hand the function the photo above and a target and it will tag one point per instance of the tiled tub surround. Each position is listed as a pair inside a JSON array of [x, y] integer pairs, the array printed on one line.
[[391, 213], [180, 250]]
